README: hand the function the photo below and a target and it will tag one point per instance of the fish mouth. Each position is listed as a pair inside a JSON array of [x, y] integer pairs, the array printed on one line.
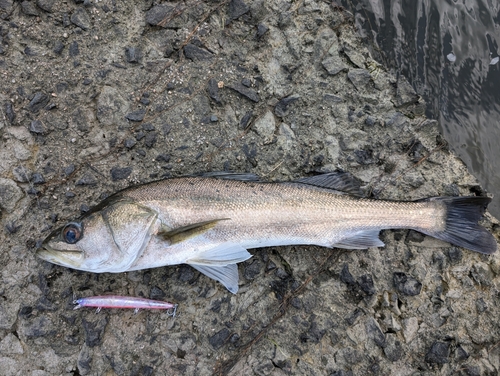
[[67, 258]]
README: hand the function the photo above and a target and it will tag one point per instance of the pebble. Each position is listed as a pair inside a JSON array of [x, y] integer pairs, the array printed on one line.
[[150, 139], [39, 101], [261, 30], [406, 284], [405, 94], [245, 91], [120, 173], [237, 8], [136, 115], [94, 330], [129, 143], [374, 332], [393, 349], [346, 276], [410, 328], [163, 158], [46, 5], [37, 178], [219, 339], [81, 18], [9, 112], [86, 179], [282, 107], [252, 269], [366, 284], [360, 78], [245, 120], [68, 170], [29, 8], [148, 127], [10, 194], [133, 54], [438, 353], [265, 125], [73, 49], [196, 53], [158, 13], [157, 293], [213, 90], [11, 345]]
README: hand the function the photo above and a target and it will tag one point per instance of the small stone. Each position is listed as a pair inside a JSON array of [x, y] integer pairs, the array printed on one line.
[[281, 273], [332, 98], [38, 102], [246, 82], [366, 284], [10, 194], [120, 173], [481, 305], [455, 255], [245, 91], [374, 332], [150, 139], [68, 170], [246, 119], [9, 112], [346, 276], [87, 81], [94, 331], [405, 94], [11, 345], [333, 64], [73, 49], [281, 109], [482, 274], [86, 179], [81, 18], [29, 8], [393, 350], [414, 237], [237, 8], [156, 293], [252, 269], [214, 118], [58, 47], [219, 339], [351, 318], [213, 90], [265, 125], [261, 30], [360, 78], [21, 174], [148, 127], [37, 178], [159, 13], [438, 353], [196, 53], [129, 143], [136, 115], [133, 54], [410, 328], [46, 5], [140, 135], [406, 284], [163, 158], [69, 194], [37, 127]]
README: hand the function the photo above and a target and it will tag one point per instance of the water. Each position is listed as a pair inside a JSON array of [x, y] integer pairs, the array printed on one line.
[[448, 50]]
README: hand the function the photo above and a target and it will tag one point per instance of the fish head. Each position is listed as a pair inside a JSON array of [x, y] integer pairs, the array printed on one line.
[[107, 239]]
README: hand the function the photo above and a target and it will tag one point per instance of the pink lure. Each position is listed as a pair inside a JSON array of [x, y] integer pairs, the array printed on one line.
[[116, 301]]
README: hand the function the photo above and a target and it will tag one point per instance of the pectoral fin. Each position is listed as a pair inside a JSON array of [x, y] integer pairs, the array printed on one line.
[[227, 275], [361, 240], [183, 233]]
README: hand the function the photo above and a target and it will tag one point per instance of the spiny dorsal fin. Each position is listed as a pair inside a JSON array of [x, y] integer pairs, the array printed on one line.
[[338, 181], [180, 234]]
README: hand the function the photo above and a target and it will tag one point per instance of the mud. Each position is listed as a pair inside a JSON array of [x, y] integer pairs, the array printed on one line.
[[99, 95]]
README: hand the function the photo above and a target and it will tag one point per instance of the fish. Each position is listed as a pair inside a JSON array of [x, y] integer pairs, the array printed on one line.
[[210, 221], [117, 301]]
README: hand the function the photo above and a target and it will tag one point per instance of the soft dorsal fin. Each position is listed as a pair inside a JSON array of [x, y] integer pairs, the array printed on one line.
[[241, 176], [180, 234], [338, 181]]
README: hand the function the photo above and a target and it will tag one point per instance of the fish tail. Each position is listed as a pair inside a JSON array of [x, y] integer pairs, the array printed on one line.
[[462, 229]]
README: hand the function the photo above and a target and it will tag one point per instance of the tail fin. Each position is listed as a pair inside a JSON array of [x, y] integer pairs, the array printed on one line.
[[462, 229]]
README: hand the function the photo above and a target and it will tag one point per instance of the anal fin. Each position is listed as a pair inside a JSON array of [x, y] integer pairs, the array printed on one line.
[[227, 275], [361, 240], [221, 255]]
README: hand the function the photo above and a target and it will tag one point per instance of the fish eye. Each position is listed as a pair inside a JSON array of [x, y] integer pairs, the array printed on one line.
[[72, 232]]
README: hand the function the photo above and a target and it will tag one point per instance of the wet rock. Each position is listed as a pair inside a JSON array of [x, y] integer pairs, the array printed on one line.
[[80, 18], [37, 127], [245, 91], [219, 339], [120, 173], [406, 284], [9, 112], [360, 78], [213, 90], [438, 353], [265, 125], [29, 8], [237, 8], [133, 54], [366, 284], [196, 53], [94, 330], [393, 350], [374, 332], [281, 109], [38, 102], [10, 194], [137, 115]]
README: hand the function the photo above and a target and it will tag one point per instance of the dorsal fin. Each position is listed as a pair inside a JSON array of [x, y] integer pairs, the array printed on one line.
[[338, 181], [242, 176]]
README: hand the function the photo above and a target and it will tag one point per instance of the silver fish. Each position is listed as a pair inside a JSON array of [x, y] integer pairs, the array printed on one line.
[[209, 222]]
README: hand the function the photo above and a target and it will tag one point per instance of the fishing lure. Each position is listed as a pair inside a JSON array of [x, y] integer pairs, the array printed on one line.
[[116, 301]]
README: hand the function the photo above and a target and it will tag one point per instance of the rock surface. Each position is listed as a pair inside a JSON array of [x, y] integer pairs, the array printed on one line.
[[103, 95]]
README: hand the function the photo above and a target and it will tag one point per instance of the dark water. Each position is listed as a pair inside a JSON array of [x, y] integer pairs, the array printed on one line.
[[448, 50]]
